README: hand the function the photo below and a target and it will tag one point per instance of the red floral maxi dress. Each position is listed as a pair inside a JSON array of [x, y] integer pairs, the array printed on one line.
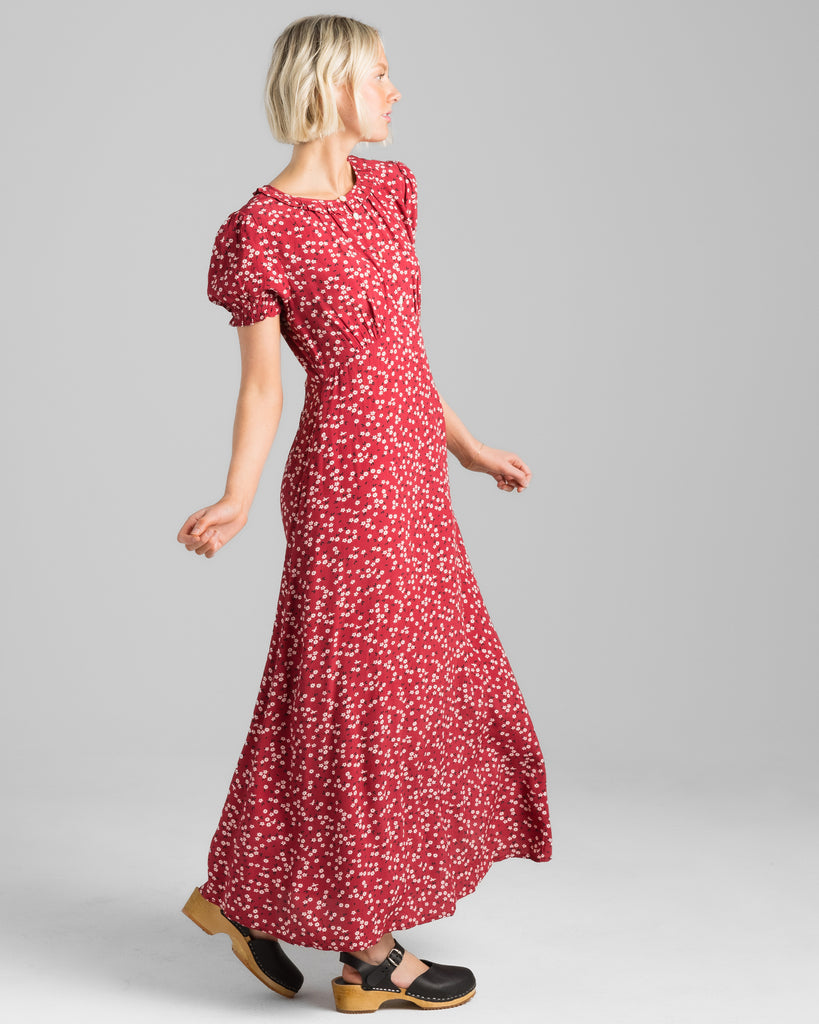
[[391, 758]]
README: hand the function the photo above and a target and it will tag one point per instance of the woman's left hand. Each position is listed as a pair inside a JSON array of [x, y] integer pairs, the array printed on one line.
[[509, 470]]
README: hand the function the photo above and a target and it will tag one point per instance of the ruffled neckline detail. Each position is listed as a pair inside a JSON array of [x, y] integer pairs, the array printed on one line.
[[354, 197]]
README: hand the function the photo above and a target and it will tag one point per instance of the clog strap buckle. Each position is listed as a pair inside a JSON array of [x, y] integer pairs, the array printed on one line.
[[379, 975]]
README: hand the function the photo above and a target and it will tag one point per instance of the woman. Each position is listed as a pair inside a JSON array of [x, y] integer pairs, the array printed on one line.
[[391, 758]]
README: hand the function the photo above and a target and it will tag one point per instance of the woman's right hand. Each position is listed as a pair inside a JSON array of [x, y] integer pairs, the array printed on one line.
[[210, 528]]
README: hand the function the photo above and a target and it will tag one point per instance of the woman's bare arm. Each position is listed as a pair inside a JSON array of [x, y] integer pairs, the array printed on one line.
[[509, 470], [258, 411], [458, 439]]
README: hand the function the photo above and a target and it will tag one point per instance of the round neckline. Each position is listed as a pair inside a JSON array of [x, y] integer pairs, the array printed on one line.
[[353, 195]]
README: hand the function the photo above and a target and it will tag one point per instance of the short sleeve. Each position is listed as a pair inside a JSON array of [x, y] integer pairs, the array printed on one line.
[[245, 275], [407, 196]]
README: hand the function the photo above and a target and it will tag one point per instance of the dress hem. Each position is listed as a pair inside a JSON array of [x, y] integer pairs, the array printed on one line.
[[362, 940]]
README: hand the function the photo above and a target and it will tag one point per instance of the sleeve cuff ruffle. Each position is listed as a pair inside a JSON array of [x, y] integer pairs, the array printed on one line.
[[253, 308]]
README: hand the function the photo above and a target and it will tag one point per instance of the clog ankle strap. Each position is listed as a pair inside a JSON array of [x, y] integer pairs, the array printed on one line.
[[376, 976]]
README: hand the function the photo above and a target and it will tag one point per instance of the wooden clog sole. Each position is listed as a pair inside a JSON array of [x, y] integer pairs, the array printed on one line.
[[351, 998]]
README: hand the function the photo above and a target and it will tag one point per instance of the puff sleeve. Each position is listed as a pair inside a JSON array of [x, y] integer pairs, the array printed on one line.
[[245, 275], [407, 196]]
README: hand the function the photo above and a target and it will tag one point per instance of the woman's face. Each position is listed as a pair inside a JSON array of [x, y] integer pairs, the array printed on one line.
[[377, 97]]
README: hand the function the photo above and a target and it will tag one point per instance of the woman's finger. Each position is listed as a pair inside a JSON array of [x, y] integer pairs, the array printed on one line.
[[206, 540], [516, 476], [185, 529], [519, 464], [205, 521]]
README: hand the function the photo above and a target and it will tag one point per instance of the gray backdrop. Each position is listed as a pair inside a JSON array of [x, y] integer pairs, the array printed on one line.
[[617, 235]]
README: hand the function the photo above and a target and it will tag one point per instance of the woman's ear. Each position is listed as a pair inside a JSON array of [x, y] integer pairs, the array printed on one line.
[[343, 96]]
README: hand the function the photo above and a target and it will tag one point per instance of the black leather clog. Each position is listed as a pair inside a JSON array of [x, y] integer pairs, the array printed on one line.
[[439, 986], [263, 957]]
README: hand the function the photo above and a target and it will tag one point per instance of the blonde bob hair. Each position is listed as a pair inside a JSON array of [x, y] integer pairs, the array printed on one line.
[[311, 56]]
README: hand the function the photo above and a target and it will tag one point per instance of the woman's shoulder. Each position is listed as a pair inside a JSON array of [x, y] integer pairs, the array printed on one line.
[[258, 220], [261, 210], [395, 179], [394, 175]]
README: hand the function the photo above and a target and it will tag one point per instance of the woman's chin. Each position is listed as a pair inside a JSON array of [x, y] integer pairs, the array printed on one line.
[[382, 135]]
